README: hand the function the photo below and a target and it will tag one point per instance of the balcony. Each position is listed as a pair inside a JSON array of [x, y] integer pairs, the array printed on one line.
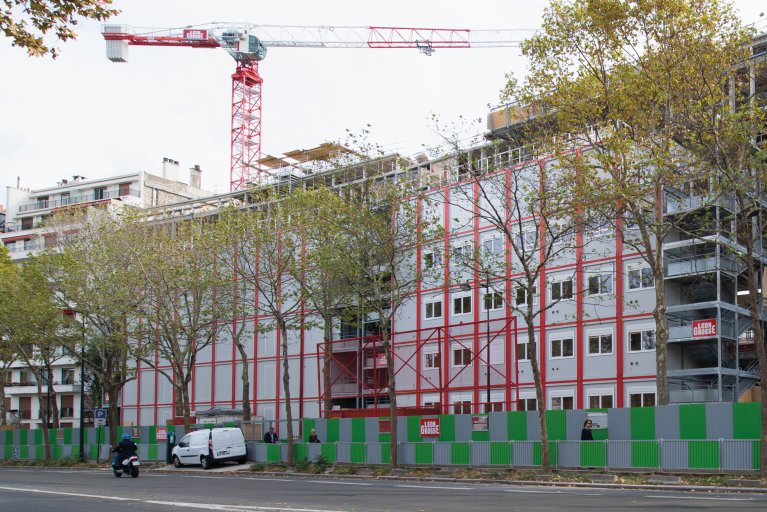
[[69, 201], [34, 246]]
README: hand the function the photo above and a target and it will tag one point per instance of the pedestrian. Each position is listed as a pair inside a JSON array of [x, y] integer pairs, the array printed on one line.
[[313, 437], [586, 432], [271, 437]]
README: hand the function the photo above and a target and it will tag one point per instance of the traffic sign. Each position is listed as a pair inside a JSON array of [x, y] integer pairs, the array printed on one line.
[[100, 417]]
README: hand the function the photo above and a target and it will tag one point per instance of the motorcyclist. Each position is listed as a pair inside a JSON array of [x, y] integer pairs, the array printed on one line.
[[126, 448]]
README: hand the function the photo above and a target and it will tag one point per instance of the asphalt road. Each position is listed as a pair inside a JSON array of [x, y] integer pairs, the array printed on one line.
[[49, 490]]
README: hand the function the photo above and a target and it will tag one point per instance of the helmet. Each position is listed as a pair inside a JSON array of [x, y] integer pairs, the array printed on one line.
[[126, 436]]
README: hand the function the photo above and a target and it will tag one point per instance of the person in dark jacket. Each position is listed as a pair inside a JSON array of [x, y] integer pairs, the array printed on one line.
[[126, 448], [586, 432], [313, 437], [271, 436]]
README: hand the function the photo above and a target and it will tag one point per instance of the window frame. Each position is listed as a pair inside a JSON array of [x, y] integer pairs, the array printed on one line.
[[562, 337], [497, 300], [600, 333], [462, 297], [458, 347], [526, 343], [643, 391], [601, 393], [560, 285], [426, 309], [639, 329], [562, 395], [434, 257], [604, 282], [431, 351], [639, 267]]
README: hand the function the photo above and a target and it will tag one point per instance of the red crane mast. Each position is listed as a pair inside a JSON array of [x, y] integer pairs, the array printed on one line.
[[248, 43]]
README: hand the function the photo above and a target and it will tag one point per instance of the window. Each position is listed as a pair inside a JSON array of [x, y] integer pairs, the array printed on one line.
[[560, 403], [524, 349], [462, 407], [42, 202], [462, 252], [562, 347], [431, 360], [561, 290], [65, 198], [524, 241], [527, 404], [461, 356], [642, 341], [493, 301], [520, 294], [462, 305], [99, 193], [431, 259], [600, 401], [640, 278], [493, 245], [600, 344], [434, 309], [601, 283], [124, 189], [68, 376], [27, 223], [642, 399]]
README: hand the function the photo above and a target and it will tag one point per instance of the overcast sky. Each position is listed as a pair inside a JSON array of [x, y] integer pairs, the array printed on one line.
[[82, 114]]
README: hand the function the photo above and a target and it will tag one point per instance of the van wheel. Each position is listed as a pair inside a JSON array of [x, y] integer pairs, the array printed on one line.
[[176, 462], [242, 460], [204, 462]]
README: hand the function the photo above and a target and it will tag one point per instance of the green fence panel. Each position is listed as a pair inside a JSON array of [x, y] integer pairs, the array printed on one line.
[[328, 452], [537, 458], [333, 427], [24, 452], [152, 452], [67, 436], [308, 425], [447, 428], [692, 421], [500, 453], [39, 452], [357, 453], [460, 453], [23, 437], [645, 454], [642, 423], [413, 429], [300, 451], [274, 452], [152, 436], [746, 423], [57, 452], [517, 425], [480, 435], [424, 453], [599, 434], [755, 454], [358, 430], [93, 452], [75, 452], [556, 423], [37, 436], [703, 454], [593, 454], [385, 453], [8, 451], [8, 437]]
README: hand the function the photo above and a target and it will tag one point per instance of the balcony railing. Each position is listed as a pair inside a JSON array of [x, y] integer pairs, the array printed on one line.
[[36, 246], [67, 201]]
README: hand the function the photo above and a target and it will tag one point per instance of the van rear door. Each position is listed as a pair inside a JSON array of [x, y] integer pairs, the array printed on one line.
[[222, 444]]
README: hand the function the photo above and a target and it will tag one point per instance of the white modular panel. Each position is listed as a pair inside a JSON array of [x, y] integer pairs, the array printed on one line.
[[129, 416], [147, 386], [265, 388], [129, 393], [164, 390], [146, 417], [201, 382], [223, 389]]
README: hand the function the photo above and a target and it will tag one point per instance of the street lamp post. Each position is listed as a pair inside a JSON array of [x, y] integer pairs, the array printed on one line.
[[489, 300], [82, 396]]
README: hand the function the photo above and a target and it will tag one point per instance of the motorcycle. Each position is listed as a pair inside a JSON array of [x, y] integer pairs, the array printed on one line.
[[129, 466]]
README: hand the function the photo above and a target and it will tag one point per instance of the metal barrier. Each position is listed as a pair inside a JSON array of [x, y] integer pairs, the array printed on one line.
[[663, 455]]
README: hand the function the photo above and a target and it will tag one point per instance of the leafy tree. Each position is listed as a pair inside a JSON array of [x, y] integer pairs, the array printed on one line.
[[95, 274], [32, 24], [8, 278], [632, 81], [176, 261], [264, 247]]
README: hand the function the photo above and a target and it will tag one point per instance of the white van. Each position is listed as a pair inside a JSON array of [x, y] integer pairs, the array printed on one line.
[[210, 446]]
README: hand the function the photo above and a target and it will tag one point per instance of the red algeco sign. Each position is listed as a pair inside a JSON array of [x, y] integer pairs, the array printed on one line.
[[429, 427], [703, 328], [195, 34]]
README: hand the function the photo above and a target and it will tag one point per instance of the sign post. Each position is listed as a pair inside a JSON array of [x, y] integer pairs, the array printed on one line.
[[99, 419]]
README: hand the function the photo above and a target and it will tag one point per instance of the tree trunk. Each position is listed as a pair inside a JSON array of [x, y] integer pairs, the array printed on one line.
[[755, 308], [539, 401], [327, 400], [245, 376], [661, 338], [42, 400], [3, 412], [393, 443], [113, 418], [286, 389]]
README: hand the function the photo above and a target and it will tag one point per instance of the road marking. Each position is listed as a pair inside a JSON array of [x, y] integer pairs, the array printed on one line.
[[62, 493], [699, 498], [214, 506], [337, 483], [548, 491], [436, 487]]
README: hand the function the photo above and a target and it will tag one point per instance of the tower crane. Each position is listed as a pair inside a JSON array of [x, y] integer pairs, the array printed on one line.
[[247, 44]]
